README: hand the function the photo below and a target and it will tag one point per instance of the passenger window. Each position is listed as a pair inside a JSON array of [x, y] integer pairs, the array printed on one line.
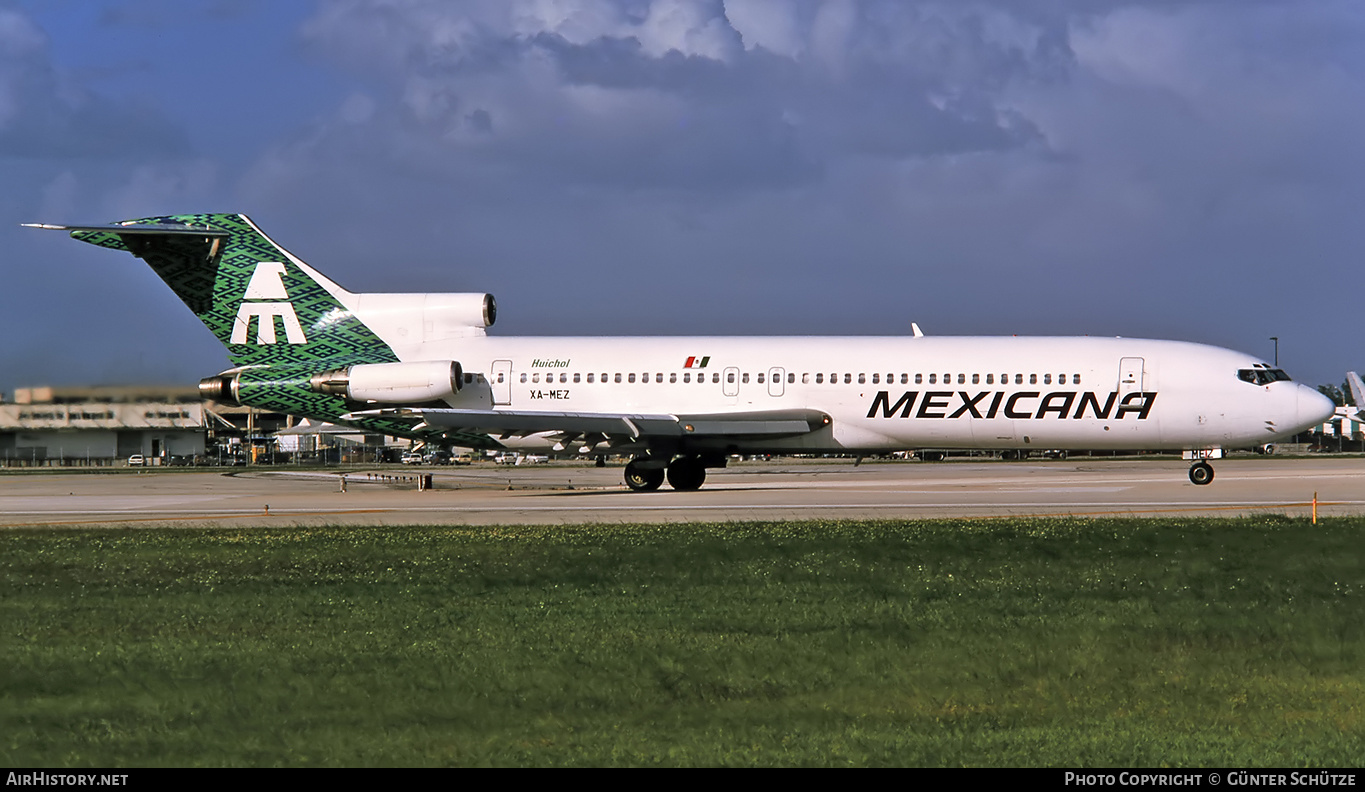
[[630, 377], [962, 379], [1018, 379], [848, 379], [805, 379], [791, 378], [760, 379], [672, 377], [919, 379], [590, 378], [659, 378], [618, 378], [820, 379], [933, 379], [469, 378], [715, 378], [905, 378], [744, 378], [500, 376], [535, 378], [563, 379], [976, 379], [1047, 379], [687, 377], [990, 379], [575, 379], [1033, 379], [876, 379], [862, 379], [1075, 379]]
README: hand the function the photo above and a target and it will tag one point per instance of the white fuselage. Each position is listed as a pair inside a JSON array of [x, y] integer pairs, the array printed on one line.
[[893, 393]]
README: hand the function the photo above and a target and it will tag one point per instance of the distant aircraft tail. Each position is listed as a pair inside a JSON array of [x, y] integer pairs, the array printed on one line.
[[264, 304], [1357, 393]]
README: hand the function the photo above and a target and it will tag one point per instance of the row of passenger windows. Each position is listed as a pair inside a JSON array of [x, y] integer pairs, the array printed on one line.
[[818, 379]]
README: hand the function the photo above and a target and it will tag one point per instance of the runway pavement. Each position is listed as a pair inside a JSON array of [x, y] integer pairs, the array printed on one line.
[[776, 490]]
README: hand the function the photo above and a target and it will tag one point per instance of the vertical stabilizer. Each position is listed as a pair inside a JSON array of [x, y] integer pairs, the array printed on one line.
[[264, 304]]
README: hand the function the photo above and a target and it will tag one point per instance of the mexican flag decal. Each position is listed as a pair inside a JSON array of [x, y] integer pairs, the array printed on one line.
[[695, 362]]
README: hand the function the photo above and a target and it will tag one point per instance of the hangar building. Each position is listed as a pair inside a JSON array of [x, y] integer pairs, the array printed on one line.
[[101, 425]]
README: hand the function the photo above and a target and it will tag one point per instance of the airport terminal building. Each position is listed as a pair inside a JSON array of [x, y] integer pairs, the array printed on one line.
[[50, 426]]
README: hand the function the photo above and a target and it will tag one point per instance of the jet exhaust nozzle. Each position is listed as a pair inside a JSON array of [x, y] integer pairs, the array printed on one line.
[[221, 388]]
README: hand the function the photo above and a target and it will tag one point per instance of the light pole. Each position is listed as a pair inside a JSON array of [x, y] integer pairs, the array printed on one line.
[[1276, 339]]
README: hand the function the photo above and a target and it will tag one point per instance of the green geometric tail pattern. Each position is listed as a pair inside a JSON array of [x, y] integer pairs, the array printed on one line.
[[211, 276]]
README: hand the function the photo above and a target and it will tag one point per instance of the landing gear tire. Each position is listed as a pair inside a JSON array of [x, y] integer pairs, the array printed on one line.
[[643, 479], [1201, 473], [686, 474]]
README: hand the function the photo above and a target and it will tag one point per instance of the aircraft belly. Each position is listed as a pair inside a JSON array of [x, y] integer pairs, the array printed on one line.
[[994, 433]]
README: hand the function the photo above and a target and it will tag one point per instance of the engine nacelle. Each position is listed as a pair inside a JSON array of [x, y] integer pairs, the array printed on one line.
[[416, 318], [392, 383]]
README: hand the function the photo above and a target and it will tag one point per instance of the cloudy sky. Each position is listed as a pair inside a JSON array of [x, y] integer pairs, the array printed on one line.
[[1187, 170]]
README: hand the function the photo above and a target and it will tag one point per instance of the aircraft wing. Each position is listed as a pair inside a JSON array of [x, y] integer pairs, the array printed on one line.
[[632, 426], [1357, 393]]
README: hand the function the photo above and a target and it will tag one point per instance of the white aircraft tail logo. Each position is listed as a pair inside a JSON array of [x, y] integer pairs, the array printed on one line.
[[267, 283]]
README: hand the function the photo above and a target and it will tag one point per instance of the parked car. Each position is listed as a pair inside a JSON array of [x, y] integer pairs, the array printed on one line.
[[534, 459], [411, 458], [137, 460]]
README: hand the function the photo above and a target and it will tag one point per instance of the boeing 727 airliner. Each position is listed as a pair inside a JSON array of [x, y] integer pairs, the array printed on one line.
[[422, 366]]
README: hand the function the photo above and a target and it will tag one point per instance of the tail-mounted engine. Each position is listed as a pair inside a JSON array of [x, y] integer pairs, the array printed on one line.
[[392, 383], [290, 390]]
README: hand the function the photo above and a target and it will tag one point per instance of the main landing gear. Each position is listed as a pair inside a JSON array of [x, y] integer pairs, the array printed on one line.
[[1201, 473], [646, 474]]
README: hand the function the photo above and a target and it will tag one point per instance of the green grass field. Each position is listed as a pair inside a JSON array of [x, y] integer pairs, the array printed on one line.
[[1127, 643]]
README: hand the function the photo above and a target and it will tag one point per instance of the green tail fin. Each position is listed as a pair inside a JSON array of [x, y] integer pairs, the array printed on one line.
[[264, 304]]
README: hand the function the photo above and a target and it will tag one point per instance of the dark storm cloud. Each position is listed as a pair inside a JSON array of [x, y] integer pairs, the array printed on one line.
[[682, 103], [43, 115]]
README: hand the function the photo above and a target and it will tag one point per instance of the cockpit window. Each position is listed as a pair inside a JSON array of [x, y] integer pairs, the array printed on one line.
[[1262, 376]]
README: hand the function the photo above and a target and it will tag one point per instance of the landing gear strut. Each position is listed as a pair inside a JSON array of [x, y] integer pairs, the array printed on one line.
[[1201, 473]]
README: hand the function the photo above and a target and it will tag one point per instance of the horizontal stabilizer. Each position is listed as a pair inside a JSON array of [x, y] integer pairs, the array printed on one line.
[[783, 423], [1357, 393], [158, 229]]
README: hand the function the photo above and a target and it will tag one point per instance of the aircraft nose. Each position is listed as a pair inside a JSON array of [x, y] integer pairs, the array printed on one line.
[[1314, 408]]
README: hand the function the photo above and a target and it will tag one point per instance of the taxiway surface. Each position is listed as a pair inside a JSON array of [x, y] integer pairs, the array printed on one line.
[[777, 490]]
